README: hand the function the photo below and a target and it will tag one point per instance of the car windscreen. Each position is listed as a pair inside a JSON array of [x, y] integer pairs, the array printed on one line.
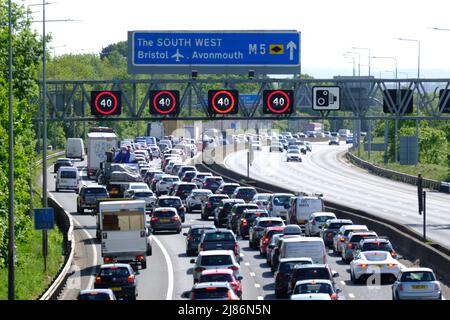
[[247, 192], [187, 188], [164, 214], [336, 225], [286, 267], [307, 288], [217, 260], [281, 200], [240, 209], [143, 194], [169, 202], [94, 296], [115, 272], [270, 223], [294, 151], [250, 216], [416, 276], [323, 218], [372, 246], [139, 186], [189, 174], [96, 191], [357, 238], [68, 175], [378, 256], [215, 200], [210, 293], [219, 236], [171, 179], [312, 273], [199, 231], [216, 278], [346, 232]]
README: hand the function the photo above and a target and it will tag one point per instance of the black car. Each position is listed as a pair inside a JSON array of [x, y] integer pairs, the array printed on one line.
[[247, 219], [219, 239], [62, 162], [212, 183], [283, 273], [227, 188], [118, 277], [188, 176], [183, 189], [331, 228], [174, 202], [165, 219], [236, 214], [245, 193], [310, 272], [211, 204], [88, 195], [224, 210], [193, 237]]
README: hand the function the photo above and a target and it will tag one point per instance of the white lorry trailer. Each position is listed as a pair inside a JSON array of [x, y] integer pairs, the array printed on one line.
[[301, 207], [121, 225], [98, 144]]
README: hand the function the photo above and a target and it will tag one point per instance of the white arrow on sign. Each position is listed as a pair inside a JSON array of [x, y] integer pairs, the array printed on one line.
[[291, 46]]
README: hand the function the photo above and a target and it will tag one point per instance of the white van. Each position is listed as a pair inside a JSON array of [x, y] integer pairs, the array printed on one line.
[[304, 247], [75, 148], [166, 142], [67, 178], [278, 205]]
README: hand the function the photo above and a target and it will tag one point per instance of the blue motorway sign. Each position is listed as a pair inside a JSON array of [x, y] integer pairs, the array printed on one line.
[[43, 218], [249, 99], [264, 52]]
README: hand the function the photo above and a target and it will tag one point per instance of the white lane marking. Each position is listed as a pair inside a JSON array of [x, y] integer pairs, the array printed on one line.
[[260, 298], [252, 274], [247, 264], [241, 255], [169, 269], [257, 285], [343, 283], [351, 295]]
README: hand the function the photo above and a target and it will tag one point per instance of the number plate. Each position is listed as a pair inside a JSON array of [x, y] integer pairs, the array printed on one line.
[[380, 265], [116, 289], [419, 286], [164, 220]]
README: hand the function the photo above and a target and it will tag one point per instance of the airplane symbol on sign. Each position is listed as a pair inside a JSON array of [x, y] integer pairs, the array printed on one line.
[[177, 56]]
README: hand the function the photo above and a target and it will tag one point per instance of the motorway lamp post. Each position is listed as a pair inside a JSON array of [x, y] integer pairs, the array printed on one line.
[[347, 56], [359, 61], [368, 57], [11, 251]]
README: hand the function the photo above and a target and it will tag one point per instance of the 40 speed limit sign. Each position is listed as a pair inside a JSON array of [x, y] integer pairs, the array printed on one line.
[[164, 102], [223, 102], [278, 101], [106, 103]]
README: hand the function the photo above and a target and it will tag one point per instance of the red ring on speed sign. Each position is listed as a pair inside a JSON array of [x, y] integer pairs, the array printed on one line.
[[214, 101], [155, 104], [101, 95], [288, 101]]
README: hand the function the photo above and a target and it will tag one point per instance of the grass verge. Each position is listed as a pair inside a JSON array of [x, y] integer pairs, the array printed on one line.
[[30, 278]]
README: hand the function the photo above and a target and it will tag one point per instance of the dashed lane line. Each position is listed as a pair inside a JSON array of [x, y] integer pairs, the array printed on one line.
[[260, 298], [343, 283], [257, 285], [252, 274], [351, 295]]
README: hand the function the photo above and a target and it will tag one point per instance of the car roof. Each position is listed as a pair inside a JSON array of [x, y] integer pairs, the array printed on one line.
[[245, 204], [323, 213], [165, 209], [141, 190], [204, 285], [203, 226], [169, 197], [416, 269], [202, 190], [269, 219], [240, 188], [339, 220], [375, 240], [300, 282], [314, 265], [119, 265], [215, 253], [295, 259], [356, 233], [282, 194], [354, 226], [217, 271], [230, 184], [68, 168], [218, 230], [299, 238], [87, 291], [237, 201]]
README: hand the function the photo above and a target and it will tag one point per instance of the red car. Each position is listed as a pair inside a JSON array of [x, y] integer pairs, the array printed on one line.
[[265, 239], [223, 275]]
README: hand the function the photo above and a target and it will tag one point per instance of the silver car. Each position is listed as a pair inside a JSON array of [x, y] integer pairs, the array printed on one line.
[[416, 284], [215, 259]]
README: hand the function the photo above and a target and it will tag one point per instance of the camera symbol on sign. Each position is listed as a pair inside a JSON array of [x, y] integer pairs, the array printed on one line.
[[324, 98]]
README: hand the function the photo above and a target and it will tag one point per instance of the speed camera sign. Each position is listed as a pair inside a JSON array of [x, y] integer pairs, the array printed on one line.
[[326, 98]]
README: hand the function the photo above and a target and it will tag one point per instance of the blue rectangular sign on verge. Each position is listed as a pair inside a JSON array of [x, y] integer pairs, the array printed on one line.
[[214, 52], [43, 218]]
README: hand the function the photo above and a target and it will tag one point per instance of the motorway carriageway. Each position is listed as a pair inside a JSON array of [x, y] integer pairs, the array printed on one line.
[[169, 271]]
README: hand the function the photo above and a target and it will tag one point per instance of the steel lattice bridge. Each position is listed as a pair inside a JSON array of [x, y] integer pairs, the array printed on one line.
[[362, 98]]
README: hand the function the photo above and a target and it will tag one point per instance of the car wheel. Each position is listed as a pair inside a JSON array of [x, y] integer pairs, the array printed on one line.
[[57, 189], [393, 296], [178, 231], [78, 210], [144, 264]]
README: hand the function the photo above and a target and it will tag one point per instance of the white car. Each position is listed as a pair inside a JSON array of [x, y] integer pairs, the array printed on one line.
[[195, 198], [138, 186], [215, 259], [276, 146], [416, 284], [316, 221], [314, 290], [144, 194], [261, 200], [369, 262], [293, 155], [166, 182]]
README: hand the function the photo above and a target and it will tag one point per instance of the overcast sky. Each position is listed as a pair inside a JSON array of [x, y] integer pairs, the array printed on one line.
[[328, 28]]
